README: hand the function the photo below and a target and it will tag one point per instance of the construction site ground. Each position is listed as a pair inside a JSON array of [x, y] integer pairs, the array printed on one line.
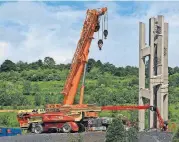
[[153, 136]]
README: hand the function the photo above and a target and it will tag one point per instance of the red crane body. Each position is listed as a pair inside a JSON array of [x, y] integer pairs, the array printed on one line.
[[73, 117]]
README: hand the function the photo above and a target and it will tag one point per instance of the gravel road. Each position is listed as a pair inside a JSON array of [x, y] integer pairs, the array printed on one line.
[[56, 137], [155, 136], [86, 137]]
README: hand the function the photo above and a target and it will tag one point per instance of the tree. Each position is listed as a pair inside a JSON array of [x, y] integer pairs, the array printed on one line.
[[90, 65], [36, 65], [176, 136], [68, 66], [107, 67], [33, 66], [132, 135], [39, 63], [120, 71], [36, 89], [20, 65], [48, 61], [27, 88], [38, 99], [8, 65], [47, 99], [116, 131], [98, 63], [134, 119], [4, 120], [170, 71]]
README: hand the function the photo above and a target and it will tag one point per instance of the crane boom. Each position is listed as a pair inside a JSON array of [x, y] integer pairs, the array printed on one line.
[[81, 55]]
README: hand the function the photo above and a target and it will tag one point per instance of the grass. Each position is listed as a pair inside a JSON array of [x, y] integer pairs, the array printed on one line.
[[8, 120]]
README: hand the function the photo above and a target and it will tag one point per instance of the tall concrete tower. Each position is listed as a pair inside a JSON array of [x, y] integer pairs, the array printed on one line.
[[157, 52]]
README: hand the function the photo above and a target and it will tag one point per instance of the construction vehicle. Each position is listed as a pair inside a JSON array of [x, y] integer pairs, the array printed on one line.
[[69, 117], [43, 121], [68, 113]]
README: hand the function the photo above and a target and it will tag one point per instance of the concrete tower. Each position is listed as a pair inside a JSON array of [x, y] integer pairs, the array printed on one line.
[[157, 51]]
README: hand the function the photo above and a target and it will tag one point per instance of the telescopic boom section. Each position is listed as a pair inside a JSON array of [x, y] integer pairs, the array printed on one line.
[[81, 55]]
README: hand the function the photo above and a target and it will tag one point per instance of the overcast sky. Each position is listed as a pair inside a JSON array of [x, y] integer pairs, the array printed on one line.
[[33, 30]]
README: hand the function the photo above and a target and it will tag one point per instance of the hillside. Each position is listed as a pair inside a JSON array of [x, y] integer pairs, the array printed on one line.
[[29, 85]]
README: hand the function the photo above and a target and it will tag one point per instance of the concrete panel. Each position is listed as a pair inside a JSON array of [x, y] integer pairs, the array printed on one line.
[[166, 70], [141, 73], [156, 80], [151, 69], [145, 93], [158, 69], [145, 51]]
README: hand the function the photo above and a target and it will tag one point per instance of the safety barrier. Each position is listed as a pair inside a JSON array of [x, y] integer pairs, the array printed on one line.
[[10, 132]]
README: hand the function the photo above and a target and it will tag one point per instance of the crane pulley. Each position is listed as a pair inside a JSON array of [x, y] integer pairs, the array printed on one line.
[[104, 24]]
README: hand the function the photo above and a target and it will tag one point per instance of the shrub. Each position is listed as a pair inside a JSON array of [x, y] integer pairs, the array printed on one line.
[[116, 131]]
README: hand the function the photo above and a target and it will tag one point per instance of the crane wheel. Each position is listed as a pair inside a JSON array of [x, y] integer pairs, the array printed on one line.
[[38, 129], [66, 128]]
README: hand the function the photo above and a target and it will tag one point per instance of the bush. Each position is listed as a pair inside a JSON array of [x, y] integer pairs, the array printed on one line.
[[176, 136], [38, 99], [132, 135], [27, 88], [8, 119], [4, 120], [116, 131]]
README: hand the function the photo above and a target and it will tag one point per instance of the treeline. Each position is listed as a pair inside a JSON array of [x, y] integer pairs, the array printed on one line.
[[117, 85], [26, 70], [49, 63]]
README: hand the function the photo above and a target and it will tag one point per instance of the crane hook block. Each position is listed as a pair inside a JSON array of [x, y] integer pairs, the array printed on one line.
[[100, 44], [105, 34]]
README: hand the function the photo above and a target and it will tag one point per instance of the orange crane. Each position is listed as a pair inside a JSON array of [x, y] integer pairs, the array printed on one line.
[[70, 117], [69, 111]]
